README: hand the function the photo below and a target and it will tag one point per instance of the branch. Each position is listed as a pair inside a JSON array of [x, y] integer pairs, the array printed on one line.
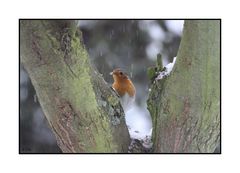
[[83, 112], [185, 107]]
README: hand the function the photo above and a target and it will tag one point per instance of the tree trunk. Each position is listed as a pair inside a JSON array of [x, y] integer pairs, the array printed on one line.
[[185, 107], [83, 112]]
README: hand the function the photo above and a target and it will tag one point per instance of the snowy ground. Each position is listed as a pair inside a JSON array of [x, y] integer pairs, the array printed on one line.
[[139, 125], [139, 122]]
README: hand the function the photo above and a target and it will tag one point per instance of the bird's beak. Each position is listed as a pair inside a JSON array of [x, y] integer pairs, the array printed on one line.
[[111, 73]]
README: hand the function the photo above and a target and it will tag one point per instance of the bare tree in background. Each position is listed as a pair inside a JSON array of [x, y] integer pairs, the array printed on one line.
[[85, 114]]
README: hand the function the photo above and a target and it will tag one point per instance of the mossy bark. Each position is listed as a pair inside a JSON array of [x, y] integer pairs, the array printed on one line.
[[82, 110], [185, 107]]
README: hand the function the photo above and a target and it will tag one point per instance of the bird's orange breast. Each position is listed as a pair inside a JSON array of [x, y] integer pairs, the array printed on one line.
[[124, 86]]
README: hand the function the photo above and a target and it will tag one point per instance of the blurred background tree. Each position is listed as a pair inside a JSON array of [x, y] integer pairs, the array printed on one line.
[[129, 44]]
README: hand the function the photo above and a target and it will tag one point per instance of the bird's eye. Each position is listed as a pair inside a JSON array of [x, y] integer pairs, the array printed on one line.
[[121, 73]]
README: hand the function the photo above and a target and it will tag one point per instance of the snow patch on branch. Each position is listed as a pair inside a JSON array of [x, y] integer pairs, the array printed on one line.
[[167, 70]]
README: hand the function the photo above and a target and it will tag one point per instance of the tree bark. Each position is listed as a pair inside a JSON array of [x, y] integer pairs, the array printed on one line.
[[83, 112], [185, 107]]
